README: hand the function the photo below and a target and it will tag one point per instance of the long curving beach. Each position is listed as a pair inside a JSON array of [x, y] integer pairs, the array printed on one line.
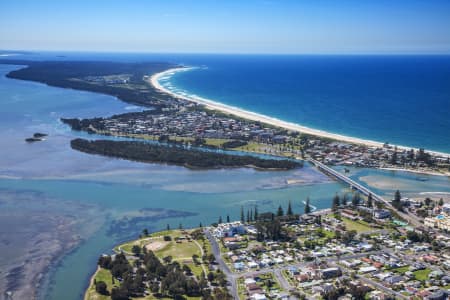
[[154, 80]]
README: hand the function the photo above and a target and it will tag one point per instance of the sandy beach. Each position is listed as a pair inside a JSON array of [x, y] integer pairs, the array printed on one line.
[[154, 80]]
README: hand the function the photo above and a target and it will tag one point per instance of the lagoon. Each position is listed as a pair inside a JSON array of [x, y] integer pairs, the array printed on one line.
[[94, 202]]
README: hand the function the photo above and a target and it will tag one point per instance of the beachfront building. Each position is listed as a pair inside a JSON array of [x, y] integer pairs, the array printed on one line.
[[441, 222]]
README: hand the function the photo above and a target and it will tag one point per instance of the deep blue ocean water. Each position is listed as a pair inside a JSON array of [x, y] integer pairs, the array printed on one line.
[[119, 189], [402, 100]]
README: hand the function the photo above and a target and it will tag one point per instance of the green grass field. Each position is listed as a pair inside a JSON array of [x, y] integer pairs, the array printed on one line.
[[422, 275], [359, 226], [181, 252], [401, 270], [101, 275]]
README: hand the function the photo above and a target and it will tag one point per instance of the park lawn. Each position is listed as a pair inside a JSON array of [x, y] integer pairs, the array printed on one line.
[[422, 275], [100, 275], [251, 147], [207, 245], [145, 240], [216, 142], [401, 270], [179, 251], [356, 225], [196, 269]]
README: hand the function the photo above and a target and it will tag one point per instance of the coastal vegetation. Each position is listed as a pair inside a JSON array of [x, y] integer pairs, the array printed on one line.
[[167, 265], [177, 155], [92, 76], [180, 120]]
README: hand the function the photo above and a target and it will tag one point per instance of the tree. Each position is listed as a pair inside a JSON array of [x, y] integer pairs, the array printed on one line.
[[168, 227], [441, 202], [348, 236], [344, 200], [119, 294], [242, 215], [187, 270], [369, 201], [427, 201], [248, 216], [136, 250], [210, 276], [394, 157], [145, 232], [397, 203], [101, 288], [307, 206], [228, 218], [255, 215], [336, 202], [289, 210], [280, 211], [220, 220], [167, 259], [356, 199]]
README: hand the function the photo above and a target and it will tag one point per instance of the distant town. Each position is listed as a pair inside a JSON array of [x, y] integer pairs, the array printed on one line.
[[171, 118]]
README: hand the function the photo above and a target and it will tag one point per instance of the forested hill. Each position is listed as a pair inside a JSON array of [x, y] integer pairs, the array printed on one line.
[[155, 153]]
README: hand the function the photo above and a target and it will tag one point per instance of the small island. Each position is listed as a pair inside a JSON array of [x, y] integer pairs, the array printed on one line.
[[178, 155], [37, 137]]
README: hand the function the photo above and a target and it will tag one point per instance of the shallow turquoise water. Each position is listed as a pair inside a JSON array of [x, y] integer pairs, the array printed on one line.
[[119, 190]]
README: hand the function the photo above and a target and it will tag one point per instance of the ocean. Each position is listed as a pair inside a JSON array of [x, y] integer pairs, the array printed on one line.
[[104, 201], [403, 100]]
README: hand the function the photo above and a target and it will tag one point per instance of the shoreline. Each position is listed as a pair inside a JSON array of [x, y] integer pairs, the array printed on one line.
[[415, 171], [242, 113]]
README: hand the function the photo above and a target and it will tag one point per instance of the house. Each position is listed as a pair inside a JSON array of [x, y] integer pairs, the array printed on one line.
[[364, 270], [349, 214], [258, 296], [438, 295], [394, 279], [330, 273], [381, 214]]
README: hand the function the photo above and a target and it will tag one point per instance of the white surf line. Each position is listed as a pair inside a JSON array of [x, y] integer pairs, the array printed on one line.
[[154, 80]]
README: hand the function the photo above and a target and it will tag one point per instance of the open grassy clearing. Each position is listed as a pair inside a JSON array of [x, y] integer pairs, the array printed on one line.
[[359, 226]]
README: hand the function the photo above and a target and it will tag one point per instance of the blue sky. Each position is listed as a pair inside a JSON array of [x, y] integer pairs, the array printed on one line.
[[228, 26]]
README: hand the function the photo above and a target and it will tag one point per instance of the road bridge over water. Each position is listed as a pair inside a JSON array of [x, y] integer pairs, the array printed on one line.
[[362, 189]]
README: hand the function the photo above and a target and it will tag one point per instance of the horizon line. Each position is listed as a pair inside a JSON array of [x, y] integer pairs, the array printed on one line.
[[236, 53]]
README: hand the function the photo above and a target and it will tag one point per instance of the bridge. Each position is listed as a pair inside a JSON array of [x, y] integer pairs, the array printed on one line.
[[362, 189]]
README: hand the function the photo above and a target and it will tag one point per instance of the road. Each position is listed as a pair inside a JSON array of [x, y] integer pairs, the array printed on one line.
[[276, 270], [231, 277], [381, 287], [365, 191]]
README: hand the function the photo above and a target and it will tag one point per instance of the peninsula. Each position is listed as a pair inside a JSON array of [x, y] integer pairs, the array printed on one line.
[[358, 249], [187, 120]]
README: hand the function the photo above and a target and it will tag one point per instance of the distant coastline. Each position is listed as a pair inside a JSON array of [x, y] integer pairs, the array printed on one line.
[[242, 113]]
